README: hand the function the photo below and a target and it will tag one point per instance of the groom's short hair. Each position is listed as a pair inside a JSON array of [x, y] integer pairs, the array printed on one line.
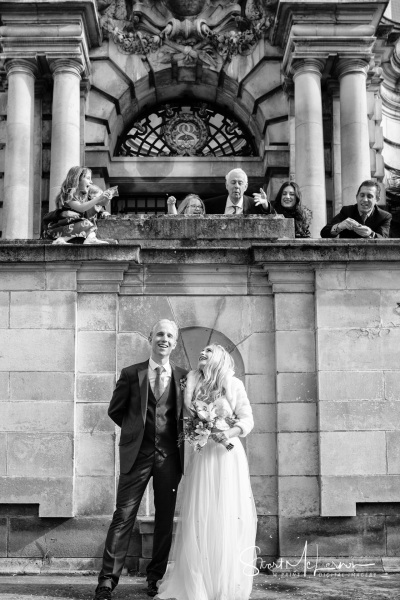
[[172, 323]]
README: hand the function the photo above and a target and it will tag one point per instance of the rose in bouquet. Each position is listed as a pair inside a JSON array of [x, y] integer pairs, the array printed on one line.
[[205, 420]]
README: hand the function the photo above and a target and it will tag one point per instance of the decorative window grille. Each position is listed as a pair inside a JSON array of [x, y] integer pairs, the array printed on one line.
[[186, 130]]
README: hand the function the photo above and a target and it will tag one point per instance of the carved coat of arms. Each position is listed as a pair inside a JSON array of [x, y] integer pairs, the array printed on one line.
[[186, 32]]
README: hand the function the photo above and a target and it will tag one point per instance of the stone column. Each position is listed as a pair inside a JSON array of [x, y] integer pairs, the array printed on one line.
[[353, 126], [310, 164], [65, 135], [18, 180], [334, 91]]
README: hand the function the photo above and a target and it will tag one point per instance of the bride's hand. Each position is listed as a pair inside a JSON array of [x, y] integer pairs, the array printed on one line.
[[221, 437]]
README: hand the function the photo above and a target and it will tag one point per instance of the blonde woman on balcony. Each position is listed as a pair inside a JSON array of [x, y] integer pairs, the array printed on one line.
[[70, 222], [192, 205]]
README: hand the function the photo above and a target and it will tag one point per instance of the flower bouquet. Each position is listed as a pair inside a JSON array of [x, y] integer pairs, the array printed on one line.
[[204, 421]]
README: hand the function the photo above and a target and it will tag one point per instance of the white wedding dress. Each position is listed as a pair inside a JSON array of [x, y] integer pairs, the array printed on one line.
[[214, 546]]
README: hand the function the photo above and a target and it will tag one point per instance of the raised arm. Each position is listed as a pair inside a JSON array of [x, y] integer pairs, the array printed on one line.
[[171, 204]]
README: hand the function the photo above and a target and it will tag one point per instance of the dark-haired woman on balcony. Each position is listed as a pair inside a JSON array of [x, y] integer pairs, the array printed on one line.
[[288, 203]]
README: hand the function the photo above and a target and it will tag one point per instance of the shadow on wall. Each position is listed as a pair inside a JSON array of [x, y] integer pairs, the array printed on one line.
[[193, 339]]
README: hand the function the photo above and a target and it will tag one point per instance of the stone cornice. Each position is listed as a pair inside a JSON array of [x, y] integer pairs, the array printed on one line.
[[312, 252], [326, 19], [53, 29], [325, 30]]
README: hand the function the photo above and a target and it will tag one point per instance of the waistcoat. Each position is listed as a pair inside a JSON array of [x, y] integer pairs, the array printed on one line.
[[161, 431]]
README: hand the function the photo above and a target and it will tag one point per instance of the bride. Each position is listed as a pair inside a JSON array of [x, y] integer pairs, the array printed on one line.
[[214, 547]]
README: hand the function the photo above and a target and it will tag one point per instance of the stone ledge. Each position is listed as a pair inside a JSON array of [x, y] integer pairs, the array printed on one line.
[[308, 252]]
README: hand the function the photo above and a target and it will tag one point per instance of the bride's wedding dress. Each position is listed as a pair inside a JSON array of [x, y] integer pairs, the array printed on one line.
[[214, 546]]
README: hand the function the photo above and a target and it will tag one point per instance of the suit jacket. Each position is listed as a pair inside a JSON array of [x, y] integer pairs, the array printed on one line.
[[378, 221], [249, 207], [128, 408]]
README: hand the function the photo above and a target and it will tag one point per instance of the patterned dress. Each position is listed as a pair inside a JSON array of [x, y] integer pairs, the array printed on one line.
[[70, 224]]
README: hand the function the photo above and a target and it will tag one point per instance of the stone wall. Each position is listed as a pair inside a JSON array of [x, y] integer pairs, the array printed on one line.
[[313, 328]]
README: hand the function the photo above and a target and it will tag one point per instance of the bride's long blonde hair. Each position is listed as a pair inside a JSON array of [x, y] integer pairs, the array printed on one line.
[[211, 379]]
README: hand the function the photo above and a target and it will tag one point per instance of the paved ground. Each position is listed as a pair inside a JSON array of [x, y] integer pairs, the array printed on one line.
[[346, 587]]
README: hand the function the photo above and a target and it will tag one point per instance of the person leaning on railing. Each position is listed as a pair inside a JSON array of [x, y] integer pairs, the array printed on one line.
[[361, 220]]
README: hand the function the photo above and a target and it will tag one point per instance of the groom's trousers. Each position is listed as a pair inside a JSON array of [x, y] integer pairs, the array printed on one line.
[[166, 472]]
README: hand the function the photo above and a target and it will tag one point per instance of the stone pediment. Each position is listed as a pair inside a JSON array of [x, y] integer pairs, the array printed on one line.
[[207, 32]]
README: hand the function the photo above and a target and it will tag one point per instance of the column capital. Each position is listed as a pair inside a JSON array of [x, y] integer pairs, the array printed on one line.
[[347, 65], [21, 65], [307, 65], [66, 65]]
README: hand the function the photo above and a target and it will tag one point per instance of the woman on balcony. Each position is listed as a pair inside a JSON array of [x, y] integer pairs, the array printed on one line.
[[288, 203]]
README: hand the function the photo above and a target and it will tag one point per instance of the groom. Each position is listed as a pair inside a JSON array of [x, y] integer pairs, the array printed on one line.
[[147, 405]]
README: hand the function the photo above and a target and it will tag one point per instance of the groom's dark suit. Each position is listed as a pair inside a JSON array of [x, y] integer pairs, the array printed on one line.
[[148, 447]]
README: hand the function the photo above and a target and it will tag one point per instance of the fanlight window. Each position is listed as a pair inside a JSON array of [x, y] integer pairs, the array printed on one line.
[[186, 130]]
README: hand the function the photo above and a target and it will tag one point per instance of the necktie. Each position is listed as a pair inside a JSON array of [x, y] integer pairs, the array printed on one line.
[[364, 218], [158, 384], [235, 208]]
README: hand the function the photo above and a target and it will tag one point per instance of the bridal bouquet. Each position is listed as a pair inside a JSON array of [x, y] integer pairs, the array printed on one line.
[[205, 421]]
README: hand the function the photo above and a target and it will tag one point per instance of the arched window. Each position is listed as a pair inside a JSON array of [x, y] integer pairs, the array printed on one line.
[[186, 129]]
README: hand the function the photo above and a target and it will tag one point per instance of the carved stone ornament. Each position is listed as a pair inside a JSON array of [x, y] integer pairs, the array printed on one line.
[[186, 134], [186, 32]]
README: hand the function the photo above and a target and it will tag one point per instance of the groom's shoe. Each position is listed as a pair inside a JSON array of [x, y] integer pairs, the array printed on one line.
[[152, 588], [102, 593]]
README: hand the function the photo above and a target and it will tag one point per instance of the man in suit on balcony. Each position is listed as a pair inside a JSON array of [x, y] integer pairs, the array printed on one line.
[[237, 203], [363, 219]]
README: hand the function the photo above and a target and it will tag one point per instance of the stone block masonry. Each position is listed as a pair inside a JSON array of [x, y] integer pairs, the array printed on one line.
[[314, 343]]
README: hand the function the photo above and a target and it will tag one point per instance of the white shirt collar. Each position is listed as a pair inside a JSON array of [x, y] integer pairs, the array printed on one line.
[[167, 367], [229, 203]]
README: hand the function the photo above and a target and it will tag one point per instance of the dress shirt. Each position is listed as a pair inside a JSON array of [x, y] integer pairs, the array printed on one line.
[[230, 210], [165, 373]]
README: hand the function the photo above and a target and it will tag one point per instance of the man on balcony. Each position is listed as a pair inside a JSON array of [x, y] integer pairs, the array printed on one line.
[[237, 203], [363, 219]]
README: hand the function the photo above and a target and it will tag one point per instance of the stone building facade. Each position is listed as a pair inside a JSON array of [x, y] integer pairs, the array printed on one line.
[[312, 89]]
